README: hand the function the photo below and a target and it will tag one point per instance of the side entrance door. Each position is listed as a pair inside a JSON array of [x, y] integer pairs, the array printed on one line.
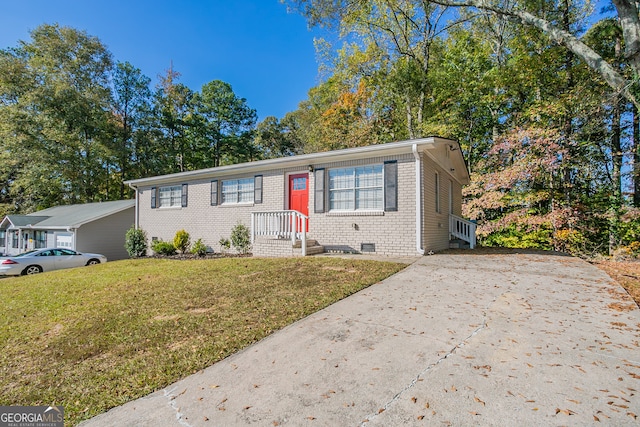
[[299, 194]]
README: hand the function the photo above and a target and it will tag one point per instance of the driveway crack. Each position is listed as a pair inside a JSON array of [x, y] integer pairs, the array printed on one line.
[[426, 370], [172, 404]]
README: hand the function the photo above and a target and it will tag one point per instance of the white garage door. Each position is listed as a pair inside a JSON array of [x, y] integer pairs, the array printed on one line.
[[64, 240]]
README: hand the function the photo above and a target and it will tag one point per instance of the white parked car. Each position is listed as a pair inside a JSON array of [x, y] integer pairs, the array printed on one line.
[[48, 259]]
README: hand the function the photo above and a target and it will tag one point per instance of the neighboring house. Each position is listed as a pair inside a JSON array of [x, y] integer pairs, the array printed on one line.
[[91, 227], [401, 198]]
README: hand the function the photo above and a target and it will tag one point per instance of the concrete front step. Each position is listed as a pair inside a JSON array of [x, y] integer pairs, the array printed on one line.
[[312, 250], [284, 247], [310, 242]]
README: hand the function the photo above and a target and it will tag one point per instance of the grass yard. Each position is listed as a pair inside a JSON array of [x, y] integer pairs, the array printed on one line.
[[94, 338]]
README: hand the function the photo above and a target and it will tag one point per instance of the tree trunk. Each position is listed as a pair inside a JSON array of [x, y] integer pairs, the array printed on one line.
[[636, 158], [568, 127], [616, 158], [409, 117]]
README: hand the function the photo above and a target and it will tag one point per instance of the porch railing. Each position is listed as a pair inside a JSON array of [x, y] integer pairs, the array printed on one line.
[[280, 225], [462, 229]]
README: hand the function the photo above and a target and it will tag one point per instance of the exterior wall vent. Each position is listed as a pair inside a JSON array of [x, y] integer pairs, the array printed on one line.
[[367, 247]]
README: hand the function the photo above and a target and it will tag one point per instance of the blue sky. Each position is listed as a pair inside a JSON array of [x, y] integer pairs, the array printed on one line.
[[265, 53]]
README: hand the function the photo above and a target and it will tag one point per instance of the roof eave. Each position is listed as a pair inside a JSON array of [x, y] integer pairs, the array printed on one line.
[[303, 160]]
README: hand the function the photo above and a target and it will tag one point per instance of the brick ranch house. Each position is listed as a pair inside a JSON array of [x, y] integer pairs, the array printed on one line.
[[401, 198]]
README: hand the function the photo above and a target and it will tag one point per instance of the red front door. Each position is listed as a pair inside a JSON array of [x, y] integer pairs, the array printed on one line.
[[299, 194]]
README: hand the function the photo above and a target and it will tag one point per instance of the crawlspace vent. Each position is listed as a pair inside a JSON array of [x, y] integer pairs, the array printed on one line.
[[367, 247]]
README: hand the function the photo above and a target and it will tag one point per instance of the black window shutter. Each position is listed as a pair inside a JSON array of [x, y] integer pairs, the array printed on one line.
[[153, 198], [214, 193], [391, 186], [184, 195], [319, 191], [257, 189]]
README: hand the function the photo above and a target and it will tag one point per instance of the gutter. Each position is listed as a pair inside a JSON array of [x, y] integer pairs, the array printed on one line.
[[419, 247], [302, 161], [136, 221]]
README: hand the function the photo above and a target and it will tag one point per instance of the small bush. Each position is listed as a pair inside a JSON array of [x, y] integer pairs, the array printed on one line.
[[136, 242], [181, 241], [225, 244], [163, 248], [241, 238], [570, 241], [199, 248]]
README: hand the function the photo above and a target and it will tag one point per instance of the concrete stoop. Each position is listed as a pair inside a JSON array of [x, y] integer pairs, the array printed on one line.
[[313, 247], [284, 248]]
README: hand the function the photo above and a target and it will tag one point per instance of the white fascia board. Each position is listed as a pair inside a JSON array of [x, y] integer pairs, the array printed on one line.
[[303, 160], [6, 220], [461, 172]]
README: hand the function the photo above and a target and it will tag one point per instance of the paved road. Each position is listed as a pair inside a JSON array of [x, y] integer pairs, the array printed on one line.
[[454, 339]]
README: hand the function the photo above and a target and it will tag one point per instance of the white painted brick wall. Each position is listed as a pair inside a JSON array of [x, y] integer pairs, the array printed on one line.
[[393, 233]]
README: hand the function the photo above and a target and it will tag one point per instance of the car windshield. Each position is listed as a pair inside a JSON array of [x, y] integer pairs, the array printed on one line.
[[23, 254]]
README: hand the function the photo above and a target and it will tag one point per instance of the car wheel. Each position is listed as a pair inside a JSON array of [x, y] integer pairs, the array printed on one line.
[[32, 269], [93, 262]]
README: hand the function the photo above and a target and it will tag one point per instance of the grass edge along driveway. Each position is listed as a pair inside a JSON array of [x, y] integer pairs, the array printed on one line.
[[94, 338]]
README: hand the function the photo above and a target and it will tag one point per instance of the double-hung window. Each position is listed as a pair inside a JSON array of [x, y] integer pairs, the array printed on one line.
[[170, 196], [238, 191], [40, 239], [357, 188]]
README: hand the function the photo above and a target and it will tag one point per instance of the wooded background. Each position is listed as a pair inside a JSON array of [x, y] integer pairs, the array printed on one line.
[[542, 95]]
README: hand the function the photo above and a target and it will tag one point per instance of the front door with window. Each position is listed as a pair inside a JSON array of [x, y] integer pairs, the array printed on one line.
[[299, 194]]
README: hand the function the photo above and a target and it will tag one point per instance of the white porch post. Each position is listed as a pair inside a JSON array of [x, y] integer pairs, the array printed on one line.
[[304, 235], [253, 227], [294, 221]]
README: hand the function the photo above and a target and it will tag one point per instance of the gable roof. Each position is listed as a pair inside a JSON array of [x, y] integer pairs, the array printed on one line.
[[22, 220], [68, 216], [460, 171]]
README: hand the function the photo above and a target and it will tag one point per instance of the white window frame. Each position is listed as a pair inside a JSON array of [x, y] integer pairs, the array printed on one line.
[[170, 196], [237, 191], [353, 190], [39, 239]]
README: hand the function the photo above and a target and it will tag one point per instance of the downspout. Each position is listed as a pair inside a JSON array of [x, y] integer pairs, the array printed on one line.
[[136, 216], [419, 247]]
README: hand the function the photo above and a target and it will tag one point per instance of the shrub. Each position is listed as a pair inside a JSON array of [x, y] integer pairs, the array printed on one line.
[[225, 244], [135, 242], [241, 238], [570, 241], [199, 248], [181, 241], [163, 248]]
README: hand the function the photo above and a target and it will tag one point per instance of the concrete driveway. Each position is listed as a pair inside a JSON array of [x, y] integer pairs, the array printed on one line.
[[454, 339]]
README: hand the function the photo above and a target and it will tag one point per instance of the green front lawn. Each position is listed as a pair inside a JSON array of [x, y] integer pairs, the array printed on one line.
[[94, 338]]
